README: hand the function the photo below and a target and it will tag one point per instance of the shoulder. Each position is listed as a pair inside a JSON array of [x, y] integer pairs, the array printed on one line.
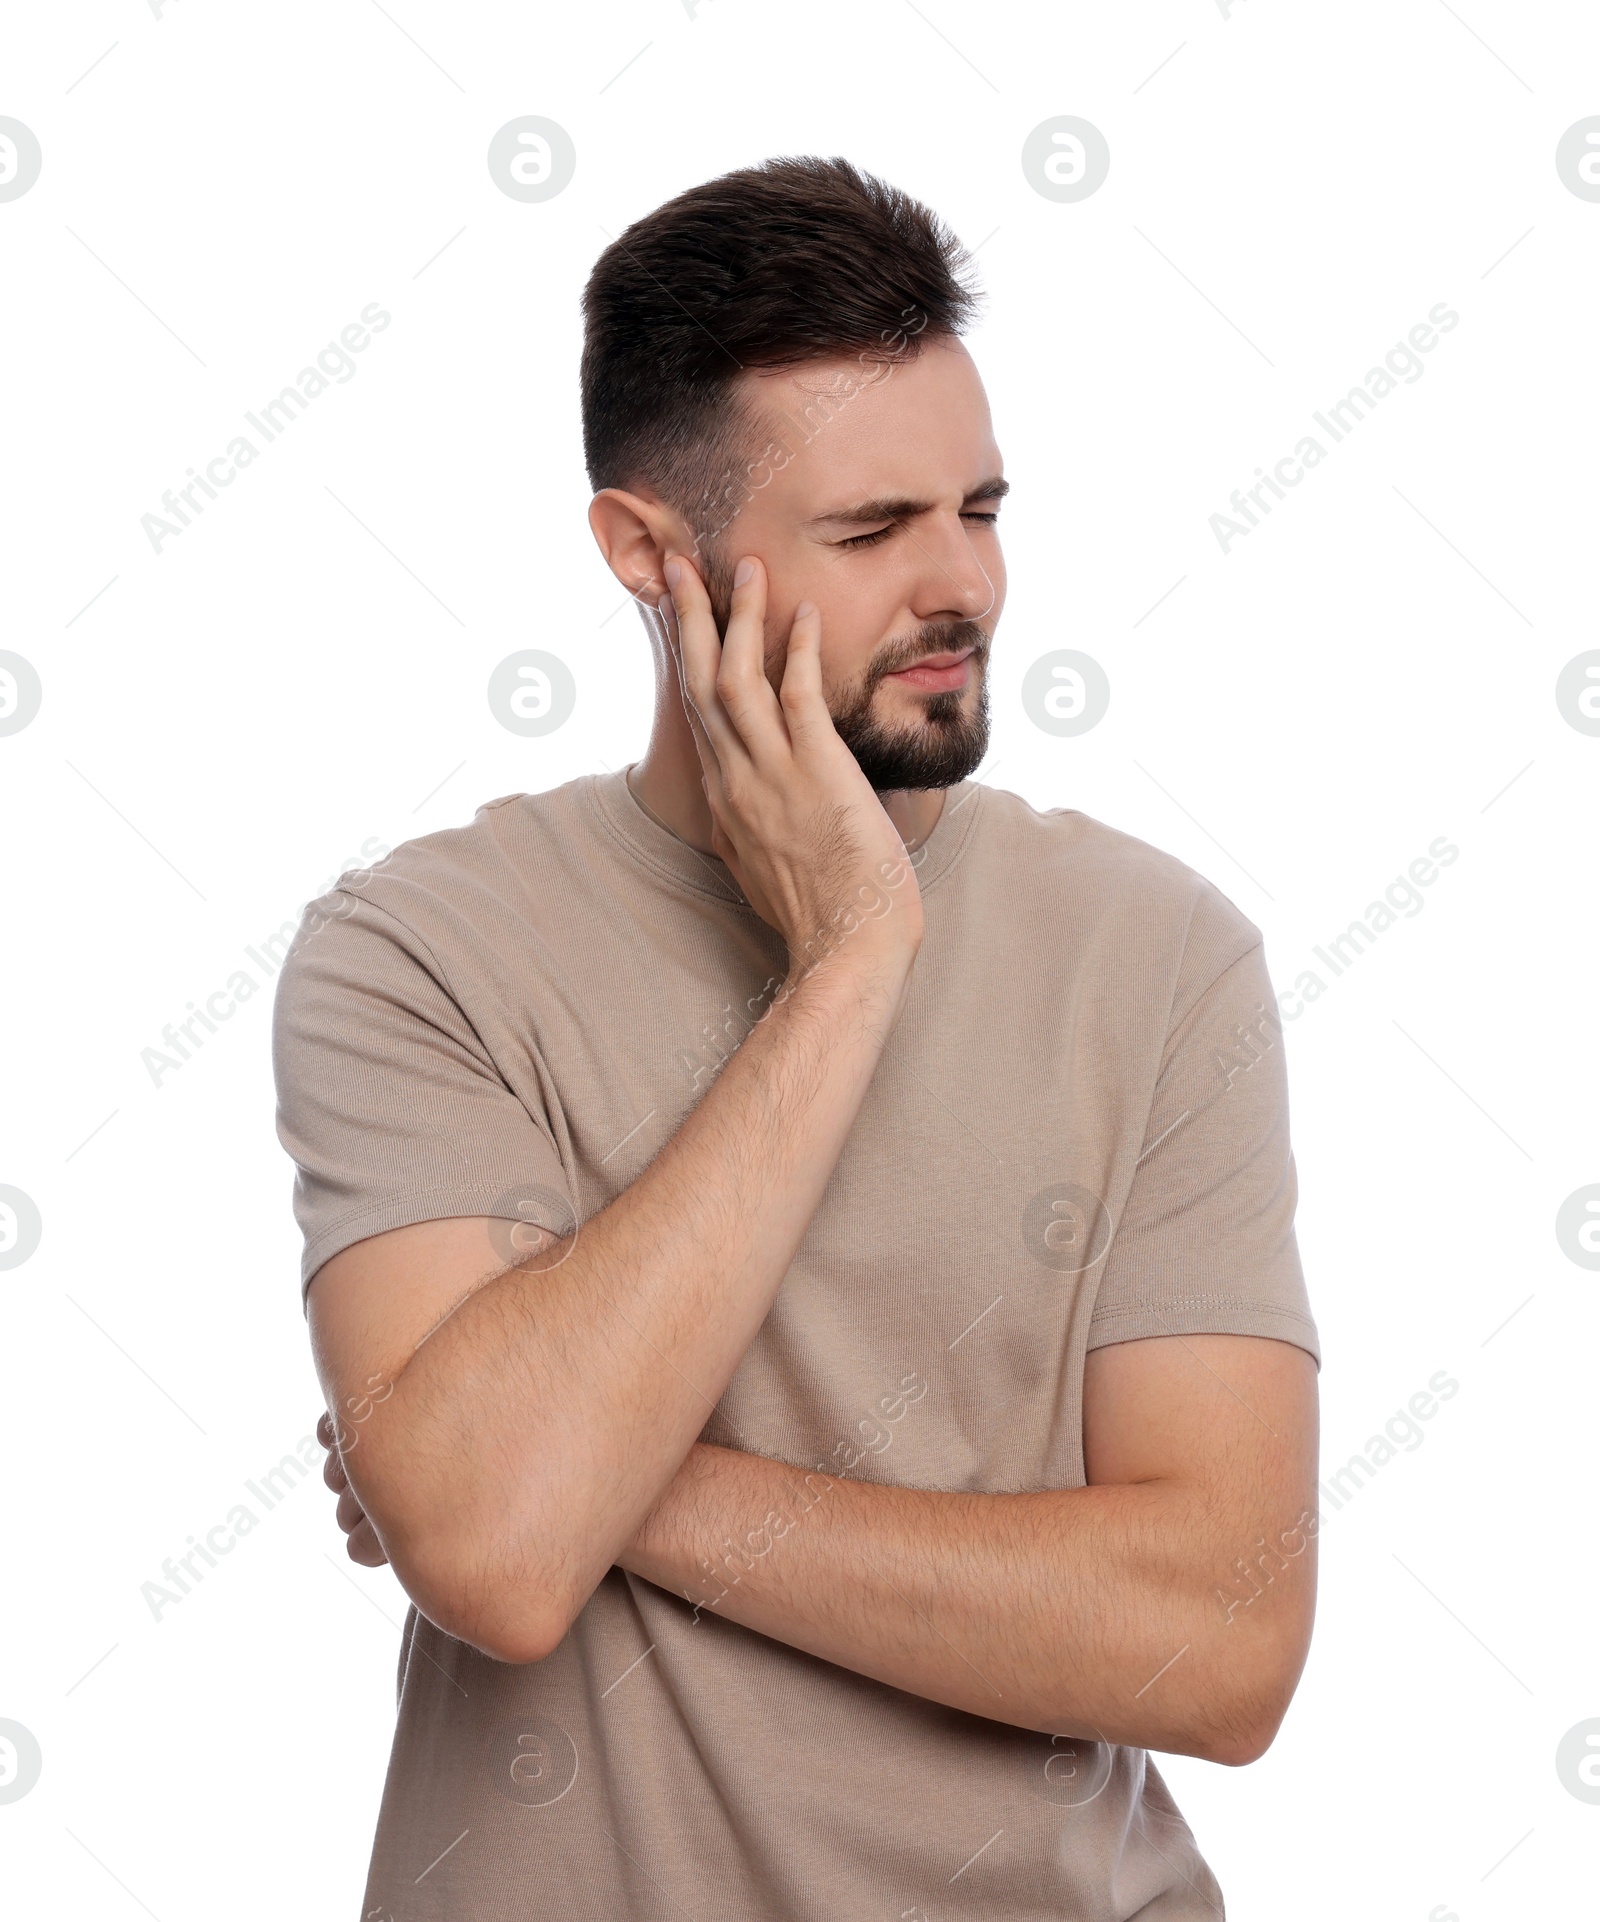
[[1118, 893], [505, 839], [1102, 867], [428, 899], [505, 855]]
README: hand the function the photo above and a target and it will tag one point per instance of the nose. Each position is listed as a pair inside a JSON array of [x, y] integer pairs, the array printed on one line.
[[952, 584]]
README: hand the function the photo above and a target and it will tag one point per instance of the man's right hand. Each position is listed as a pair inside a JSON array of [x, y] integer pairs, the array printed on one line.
[[794, 818], [534, 1415]]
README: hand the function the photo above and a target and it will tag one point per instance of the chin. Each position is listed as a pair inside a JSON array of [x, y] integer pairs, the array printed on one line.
[[941, 741], [928, 755]]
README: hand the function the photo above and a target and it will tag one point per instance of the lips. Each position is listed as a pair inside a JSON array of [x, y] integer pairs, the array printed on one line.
[[938, 673]]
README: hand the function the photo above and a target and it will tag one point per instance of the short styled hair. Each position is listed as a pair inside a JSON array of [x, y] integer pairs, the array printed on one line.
[[798, 259]]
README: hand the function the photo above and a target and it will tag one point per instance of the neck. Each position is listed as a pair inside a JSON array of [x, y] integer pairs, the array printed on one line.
[[667, 784]]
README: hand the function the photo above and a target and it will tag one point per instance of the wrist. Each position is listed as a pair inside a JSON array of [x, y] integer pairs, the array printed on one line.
[[880, 943], [872, 974], [655, 1551]]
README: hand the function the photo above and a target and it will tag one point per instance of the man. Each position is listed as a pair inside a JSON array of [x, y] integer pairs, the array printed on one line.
[[799, 1245]]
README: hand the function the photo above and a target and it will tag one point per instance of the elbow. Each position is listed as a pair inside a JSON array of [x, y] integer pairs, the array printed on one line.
[[1236, 1748], [465, 1566], [515, 1620], [516, 1643], [1247, 1726], [506, 1628], [1243, 1700]]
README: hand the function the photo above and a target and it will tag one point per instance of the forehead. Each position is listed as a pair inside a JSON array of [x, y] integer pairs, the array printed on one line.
[[916, 427]]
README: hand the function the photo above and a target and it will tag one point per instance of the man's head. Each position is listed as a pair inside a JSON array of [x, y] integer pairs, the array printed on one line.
[[772, 366]]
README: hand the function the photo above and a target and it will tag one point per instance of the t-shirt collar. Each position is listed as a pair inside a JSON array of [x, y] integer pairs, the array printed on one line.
[[659, 849]]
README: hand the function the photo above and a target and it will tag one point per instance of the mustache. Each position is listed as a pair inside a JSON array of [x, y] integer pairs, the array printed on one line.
[[934, 637], [937, 637]]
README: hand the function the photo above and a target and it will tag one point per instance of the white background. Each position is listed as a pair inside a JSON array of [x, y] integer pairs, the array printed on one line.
[[226, 721]]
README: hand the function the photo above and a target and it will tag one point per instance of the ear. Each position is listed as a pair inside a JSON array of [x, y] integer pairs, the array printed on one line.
[[635, 533]]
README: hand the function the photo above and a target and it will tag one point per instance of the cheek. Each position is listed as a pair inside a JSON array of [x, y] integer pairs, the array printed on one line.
[[857, 617], [857, 637]]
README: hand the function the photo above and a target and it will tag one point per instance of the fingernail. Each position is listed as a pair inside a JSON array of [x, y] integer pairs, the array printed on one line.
[[673, 571], [805, 608], [743, 572]]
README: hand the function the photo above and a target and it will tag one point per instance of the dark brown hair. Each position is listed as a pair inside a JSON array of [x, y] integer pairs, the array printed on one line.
[[798, 259]]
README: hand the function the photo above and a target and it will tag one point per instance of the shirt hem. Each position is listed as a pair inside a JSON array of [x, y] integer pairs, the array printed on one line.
[[1205, 1315], [420, 1204]]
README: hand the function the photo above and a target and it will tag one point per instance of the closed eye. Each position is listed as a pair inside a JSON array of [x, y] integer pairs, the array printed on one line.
[[883, 533]]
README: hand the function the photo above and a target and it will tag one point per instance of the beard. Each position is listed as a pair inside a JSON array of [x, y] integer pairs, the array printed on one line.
[[945, 743], [944, 746]]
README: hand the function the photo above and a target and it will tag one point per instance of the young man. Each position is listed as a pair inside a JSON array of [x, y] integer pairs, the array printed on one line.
[[799, 1245]]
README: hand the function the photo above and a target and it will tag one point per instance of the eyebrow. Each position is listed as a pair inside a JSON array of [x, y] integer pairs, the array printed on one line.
[[903, 507]]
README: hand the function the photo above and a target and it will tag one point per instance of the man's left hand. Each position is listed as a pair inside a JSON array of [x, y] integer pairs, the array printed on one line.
[[361, 1544]]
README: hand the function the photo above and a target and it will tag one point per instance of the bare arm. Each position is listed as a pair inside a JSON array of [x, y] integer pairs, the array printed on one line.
[[1167, 1605], [506, 1432]]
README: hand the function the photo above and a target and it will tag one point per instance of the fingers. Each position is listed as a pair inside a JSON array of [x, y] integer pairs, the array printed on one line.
[[804, 708], [363, 1546], [708, 667], [699, 660], [332, 1467], [702, 741], [361, 1542], [741, 680]]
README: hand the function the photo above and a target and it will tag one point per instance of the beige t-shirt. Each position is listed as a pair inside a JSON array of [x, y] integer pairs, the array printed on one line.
[[1077, 1134]]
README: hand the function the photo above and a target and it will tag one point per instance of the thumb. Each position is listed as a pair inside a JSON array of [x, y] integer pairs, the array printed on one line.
[[728, 855]]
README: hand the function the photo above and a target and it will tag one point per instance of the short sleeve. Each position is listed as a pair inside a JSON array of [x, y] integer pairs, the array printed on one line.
[[389, 1104], [1206, 1243]]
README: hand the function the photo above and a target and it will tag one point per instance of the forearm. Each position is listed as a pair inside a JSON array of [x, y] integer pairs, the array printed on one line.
[[535, 1427], [1093, 1612]]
